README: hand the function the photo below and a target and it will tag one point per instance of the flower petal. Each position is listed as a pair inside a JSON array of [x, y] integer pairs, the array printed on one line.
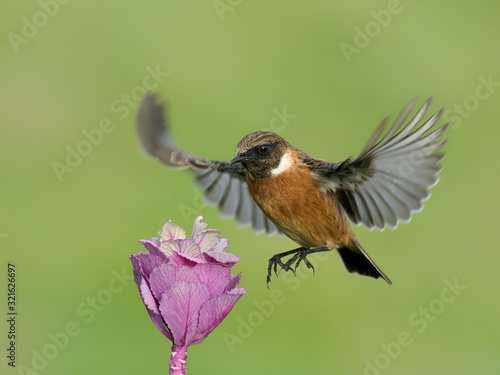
[[161, 278], [144, 290], [233, 282], [187, 247], [215, 276], [198, 227], [148, 262], [153, 247], [214, 311], [165, 275], [237, 291], [160, 324], [180, 260], [221, 245], [171, 231], [221, 257], [180, 308], [207, 239]]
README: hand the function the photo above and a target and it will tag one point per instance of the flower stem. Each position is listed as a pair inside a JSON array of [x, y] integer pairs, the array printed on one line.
[[178, 360]]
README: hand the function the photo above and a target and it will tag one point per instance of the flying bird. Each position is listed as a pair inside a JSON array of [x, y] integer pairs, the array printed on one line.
[[277, 188]]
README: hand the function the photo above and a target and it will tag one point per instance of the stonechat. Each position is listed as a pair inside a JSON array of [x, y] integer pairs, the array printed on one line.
[[278, 188]]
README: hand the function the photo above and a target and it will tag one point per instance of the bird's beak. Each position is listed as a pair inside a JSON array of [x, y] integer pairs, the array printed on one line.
[[236, 159]]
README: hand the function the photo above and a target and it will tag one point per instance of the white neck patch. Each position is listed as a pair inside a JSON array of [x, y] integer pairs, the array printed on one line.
[[285, 163]]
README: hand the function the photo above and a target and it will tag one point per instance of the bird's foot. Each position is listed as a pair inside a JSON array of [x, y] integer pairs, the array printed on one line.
[[300, 254], [297, 258], [276, 261]]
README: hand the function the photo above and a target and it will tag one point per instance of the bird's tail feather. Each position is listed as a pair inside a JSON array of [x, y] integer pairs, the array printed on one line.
[[360, 262]]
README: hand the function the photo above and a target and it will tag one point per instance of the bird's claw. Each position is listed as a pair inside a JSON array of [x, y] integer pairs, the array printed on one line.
[[274, 262], [297, 258]]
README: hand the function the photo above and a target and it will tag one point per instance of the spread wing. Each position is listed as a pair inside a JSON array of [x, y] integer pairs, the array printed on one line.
[[224, 185], [391, 178]]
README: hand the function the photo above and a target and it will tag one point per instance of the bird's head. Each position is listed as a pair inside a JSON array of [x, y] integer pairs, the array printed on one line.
[[264, 154]]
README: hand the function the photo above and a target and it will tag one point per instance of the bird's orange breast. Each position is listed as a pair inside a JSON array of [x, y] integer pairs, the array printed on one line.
[[300, 208]]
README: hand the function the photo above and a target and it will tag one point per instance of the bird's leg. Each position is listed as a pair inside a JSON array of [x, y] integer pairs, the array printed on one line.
[[300, 254]]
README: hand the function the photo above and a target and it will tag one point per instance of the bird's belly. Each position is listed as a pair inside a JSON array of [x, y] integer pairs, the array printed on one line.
[[298, 206]]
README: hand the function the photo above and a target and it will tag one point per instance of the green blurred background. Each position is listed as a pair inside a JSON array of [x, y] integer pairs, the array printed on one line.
[[231, 65]]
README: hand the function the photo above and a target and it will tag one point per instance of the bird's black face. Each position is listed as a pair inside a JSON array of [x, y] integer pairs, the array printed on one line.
[[260, 153]]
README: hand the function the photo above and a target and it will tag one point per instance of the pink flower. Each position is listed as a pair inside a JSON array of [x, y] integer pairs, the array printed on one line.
[[186, 285]]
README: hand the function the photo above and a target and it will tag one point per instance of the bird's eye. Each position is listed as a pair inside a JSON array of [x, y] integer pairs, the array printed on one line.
[[263, 149]]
